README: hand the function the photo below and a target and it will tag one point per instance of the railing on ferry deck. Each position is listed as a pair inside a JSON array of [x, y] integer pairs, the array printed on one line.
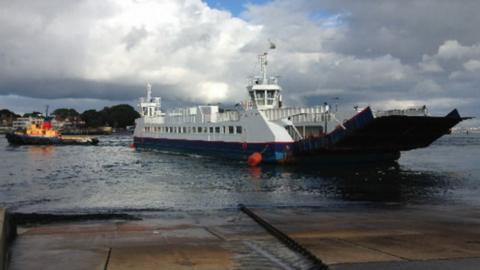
[[297, 115], [229, 116], [311, 118], [416, 111], [303, 114], [177, 119]]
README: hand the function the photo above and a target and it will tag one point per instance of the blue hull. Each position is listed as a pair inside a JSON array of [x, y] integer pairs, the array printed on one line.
[[271, 152]]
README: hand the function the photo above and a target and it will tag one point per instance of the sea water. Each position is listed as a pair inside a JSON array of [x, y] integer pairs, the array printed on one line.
[[115, 178]]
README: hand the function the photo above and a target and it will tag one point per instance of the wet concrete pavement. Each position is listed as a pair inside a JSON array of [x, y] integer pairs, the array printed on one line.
[[379, 238]]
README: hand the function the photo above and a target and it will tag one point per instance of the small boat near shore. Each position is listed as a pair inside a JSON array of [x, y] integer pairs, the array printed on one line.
[[45, 135], [22, 139]]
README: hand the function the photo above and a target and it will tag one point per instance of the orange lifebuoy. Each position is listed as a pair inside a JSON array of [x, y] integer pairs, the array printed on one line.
[[254, 159]]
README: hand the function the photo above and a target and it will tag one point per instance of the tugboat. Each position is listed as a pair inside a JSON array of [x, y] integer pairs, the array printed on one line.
[[44, 134], [262, 129]]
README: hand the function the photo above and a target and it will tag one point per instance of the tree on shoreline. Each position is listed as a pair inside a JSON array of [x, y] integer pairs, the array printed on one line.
[[92, 118], [7, 113], [7, 117], [117, 116], [64, 113], [33, 114]]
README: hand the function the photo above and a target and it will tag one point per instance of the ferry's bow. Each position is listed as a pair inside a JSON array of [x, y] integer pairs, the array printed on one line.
[[378, 138]]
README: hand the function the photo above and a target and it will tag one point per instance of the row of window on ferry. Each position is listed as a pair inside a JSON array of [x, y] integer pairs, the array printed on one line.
[[218, 130]]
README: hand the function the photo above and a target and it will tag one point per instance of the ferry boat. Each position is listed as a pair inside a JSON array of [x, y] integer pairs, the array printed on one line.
[[44, 134], [262, 129]]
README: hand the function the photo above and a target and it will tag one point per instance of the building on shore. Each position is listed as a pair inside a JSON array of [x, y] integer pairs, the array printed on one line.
[[25, 122], [68, 123]]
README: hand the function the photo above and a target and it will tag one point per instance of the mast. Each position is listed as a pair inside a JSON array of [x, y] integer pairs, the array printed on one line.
[[264, 62], [263, 66], [149, 92], [150, 106], [264, 92]]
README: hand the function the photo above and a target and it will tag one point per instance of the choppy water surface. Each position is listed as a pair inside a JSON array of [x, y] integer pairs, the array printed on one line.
[[114, 177]]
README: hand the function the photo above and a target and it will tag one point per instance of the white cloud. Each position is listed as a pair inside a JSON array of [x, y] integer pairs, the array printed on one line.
[[194, 53], [429, 65], [179, 44], [353, 73], [212, 91], [428, 86], [452, 49], [472, 65]]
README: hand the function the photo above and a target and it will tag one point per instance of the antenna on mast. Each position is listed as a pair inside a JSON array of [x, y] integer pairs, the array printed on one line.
[[263, 66], [264, 62], [149, 92]]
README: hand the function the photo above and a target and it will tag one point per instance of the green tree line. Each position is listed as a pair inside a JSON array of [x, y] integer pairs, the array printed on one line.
[[117, 116]]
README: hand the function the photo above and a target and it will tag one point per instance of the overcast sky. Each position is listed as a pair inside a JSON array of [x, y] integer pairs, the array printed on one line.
[[90, 53]]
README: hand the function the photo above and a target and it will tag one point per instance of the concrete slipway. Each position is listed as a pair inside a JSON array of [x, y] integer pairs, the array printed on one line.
[[378, 238]]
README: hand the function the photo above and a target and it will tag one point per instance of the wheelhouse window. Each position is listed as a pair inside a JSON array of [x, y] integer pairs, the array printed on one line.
[[270, 93], [260, 97], [199, 129], [217, 129], [211, 129], [230, 129], [239, 130], [270, 97], [260, 94]]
